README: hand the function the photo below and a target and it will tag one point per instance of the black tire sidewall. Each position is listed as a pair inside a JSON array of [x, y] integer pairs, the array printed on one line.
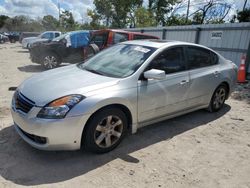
[[88, 140]]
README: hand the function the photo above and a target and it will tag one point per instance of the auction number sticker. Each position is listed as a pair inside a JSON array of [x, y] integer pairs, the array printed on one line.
[[141, 49]]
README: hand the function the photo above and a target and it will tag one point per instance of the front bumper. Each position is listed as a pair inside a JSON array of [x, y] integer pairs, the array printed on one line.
[[49, 134]]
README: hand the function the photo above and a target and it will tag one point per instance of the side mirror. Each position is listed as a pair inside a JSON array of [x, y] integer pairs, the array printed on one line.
[[155, 74]]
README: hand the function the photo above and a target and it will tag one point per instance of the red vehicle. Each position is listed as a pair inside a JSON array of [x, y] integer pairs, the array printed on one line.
[[107, 37]]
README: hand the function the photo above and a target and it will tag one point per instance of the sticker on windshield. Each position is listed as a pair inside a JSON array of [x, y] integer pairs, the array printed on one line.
[[141, 49]]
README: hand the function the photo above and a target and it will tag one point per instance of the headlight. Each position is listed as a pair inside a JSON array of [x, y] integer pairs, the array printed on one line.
[[59, 108]]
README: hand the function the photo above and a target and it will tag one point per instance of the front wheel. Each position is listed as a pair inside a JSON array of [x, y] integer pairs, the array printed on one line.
[[50, 61], [105, 130], [218, 98]]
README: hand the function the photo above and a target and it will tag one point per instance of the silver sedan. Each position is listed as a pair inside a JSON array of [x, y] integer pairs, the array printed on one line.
[[132, 84]]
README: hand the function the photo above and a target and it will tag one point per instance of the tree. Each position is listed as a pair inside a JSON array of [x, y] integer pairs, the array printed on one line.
[[144, 18], [67, 21], [116, 13], [95, 20], [178, 20], [160, 9], [22, 23], [50, 23], [3, 19], [244, 15], [211, 11]]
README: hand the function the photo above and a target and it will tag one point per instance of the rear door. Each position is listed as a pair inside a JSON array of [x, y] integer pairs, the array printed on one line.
[[157, 98], [204, 75]]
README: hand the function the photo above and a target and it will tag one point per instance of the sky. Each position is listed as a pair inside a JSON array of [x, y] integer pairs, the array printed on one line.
[[39, 8]]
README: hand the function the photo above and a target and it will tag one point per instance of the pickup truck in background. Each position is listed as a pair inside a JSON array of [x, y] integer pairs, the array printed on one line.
[[46, 36], [66, 48]]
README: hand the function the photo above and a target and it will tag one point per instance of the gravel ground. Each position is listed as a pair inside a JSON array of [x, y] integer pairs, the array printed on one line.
[[199, 149]]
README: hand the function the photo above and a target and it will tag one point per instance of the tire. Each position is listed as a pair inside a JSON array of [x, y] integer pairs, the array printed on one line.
[[91, 50], [218, 98], [50, 61], [105, 130]]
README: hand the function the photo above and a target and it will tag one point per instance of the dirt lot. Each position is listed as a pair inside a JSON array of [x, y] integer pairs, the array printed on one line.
[[200, 149]]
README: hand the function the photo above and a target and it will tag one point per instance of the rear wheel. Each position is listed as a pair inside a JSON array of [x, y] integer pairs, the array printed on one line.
[[105, 130], [50, 61], [218, 98]]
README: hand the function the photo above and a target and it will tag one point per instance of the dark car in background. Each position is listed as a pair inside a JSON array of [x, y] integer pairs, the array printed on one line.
[[65, 48], [13, 36]]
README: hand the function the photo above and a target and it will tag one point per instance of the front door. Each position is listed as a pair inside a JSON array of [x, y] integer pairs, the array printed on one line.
[[157, 98]]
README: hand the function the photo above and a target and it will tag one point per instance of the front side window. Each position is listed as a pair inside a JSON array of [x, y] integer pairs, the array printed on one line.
[[120, 37], [171, 60], [118, 61], [47, 36], [199, 57]]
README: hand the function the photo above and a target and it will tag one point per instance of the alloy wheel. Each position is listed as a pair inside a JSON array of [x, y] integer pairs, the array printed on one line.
[[219, 98], [108, 131], [50, 62]]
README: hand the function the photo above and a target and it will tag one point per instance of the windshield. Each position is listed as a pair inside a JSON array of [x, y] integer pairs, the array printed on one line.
[[60, 37], [118, 61]]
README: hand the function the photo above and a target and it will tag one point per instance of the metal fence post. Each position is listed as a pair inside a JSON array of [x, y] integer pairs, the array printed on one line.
[[197, 35], [248, 61], [164, 31]]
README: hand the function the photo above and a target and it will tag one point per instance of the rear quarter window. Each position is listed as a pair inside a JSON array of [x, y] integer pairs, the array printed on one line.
[[200, 57]]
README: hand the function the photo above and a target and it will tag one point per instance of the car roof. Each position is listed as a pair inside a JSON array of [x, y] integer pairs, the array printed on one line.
[[122, 31], [155, 43]]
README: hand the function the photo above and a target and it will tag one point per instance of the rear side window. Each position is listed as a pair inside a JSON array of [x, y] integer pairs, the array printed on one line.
[[120, 37], [171, 60], [138, 37], [200, 57]]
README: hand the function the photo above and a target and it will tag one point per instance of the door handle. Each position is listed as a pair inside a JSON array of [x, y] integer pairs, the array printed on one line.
[[183, 82], [216, 73]]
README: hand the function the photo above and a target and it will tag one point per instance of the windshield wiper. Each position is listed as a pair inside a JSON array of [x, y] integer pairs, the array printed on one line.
[[93, 71]]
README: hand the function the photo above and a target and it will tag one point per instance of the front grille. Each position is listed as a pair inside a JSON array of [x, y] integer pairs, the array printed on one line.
[[23, 103], [34, 138]]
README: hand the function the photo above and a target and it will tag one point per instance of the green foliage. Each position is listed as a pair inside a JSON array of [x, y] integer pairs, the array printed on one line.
[[114, 13], [160, 9], [144, 18], [178, 20], [198, 18], [50, 23], [244, 16], [22, 23], [3, 19], [67, 22]]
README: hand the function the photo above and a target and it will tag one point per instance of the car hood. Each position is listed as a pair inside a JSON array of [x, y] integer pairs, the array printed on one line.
[[44, 87]]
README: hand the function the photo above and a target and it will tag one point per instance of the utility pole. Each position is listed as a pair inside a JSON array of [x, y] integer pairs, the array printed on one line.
[[245, 5], [187, 11], [59, 13]]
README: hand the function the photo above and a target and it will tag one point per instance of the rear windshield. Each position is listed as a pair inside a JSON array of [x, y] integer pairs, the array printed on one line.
[[100, 39]]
